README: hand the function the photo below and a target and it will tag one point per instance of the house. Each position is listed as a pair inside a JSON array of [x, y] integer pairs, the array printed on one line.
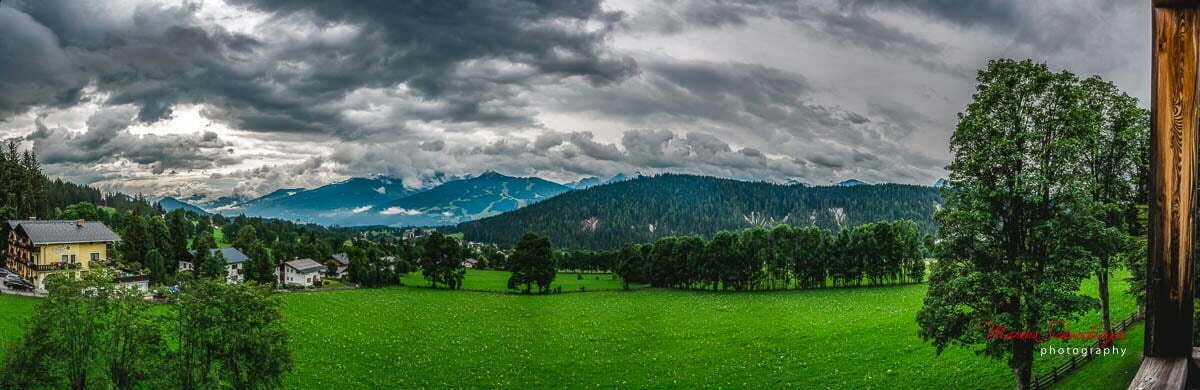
[[341, 261], [37, 249], [470, 263], [235, 263], [133, 281], [301, 272]]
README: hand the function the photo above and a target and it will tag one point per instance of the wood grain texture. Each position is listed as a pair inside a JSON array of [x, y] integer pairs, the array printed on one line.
[[1173, 183], [1161, 374]]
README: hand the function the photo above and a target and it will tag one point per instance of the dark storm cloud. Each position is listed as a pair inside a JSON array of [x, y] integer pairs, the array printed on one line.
[[469, 58], [143, 58], [468, 55], [414, 88], [108, 140], [1048, 25], [845, 25], [773, 111], [757, 101], [732, 93]]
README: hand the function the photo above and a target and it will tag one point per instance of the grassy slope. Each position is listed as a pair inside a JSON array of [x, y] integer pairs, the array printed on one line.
[[837, 338], [218, 236], [1109, 372], [498, 281]]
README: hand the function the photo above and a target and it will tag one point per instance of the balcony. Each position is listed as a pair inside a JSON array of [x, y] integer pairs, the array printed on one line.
[[56, 267]]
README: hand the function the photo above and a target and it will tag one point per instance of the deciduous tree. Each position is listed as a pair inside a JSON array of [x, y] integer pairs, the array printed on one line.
[[1019, 223]]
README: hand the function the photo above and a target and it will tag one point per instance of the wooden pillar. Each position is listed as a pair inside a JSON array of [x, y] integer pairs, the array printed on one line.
[[1170, 279]]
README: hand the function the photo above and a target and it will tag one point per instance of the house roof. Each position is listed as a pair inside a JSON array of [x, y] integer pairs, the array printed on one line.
[[231, 255], [341, 258], [64, 232], [305, 265]]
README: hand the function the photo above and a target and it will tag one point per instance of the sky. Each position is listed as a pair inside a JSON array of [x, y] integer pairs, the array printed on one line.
[[242, 97]]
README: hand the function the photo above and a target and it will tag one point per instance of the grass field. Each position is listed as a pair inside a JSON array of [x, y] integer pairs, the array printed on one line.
[[498, 281], [1109, 373], [219, 237], [646, 338]]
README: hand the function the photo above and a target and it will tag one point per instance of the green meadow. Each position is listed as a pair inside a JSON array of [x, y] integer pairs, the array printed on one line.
[[405, 337]]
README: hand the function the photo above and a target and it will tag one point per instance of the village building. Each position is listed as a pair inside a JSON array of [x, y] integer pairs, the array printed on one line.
[[235, 263], [341, 261], [38, 249], [133, 281], [301, 272]]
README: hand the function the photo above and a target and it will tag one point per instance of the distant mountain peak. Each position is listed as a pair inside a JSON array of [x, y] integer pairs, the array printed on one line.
[[851, 183], [169, 203], [491, 174], [587, 182]]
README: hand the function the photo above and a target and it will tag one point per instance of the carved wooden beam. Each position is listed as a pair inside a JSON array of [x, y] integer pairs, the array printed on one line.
[[1169, 298]]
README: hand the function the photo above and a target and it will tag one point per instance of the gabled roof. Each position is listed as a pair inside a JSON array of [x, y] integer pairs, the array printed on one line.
[[231, 255], [341, 258], [64, 232], [305, 265]]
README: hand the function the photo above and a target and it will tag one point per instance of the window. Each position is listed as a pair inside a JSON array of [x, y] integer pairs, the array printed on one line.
[[65, 258], [95, 256], [72, 259]]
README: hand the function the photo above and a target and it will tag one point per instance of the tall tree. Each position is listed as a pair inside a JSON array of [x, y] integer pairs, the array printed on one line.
[[441, 261], [1117, 128], [179, 229], [135, 240], [1018, 219], [207, 262], [229, 336], [260, 268], [532, 263]]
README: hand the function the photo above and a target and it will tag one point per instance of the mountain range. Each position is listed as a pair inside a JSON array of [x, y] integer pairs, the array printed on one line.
[[383, 200], [663, 204]]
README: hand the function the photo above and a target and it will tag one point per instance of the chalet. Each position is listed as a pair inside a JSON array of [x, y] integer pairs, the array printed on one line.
[[37, 249], [301, 272], [235, 263], [470, 263], [341, 261]]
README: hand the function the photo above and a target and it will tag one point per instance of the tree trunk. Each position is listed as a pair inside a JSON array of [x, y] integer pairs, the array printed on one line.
[[1021, 363], [1102, 278]]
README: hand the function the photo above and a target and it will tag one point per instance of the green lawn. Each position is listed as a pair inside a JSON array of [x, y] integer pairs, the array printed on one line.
[[218, 236], [498, 281], [12, 311], [1109, 372], [407, 337]]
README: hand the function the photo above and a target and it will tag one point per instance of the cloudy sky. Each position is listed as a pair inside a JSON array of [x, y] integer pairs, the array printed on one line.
[[242, 97]]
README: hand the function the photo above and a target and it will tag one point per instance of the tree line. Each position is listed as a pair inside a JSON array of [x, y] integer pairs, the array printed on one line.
[[780, 258]]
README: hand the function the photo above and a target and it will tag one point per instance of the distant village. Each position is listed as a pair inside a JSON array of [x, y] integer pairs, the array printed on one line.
[[37, 249]]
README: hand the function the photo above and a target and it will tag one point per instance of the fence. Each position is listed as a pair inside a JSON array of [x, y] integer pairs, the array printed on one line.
[[1058, 372]]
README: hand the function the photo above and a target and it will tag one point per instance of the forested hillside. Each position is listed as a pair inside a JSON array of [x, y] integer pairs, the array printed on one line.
[[647, 208]]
